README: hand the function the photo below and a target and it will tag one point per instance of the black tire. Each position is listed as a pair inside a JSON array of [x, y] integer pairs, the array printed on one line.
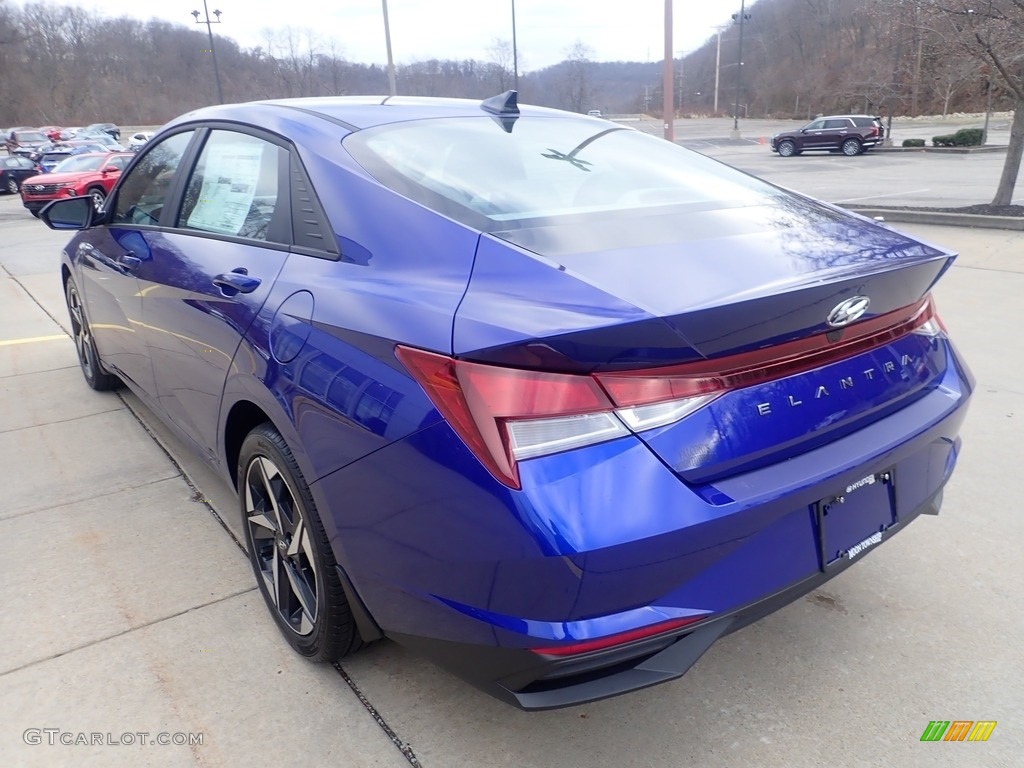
[[851, 147], [787, 148], [289, 550], [12, 186], [88, 359], [98, 197]]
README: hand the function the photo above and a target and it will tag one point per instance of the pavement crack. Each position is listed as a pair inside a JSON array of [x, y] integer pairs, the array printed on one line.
[[378, 718], [34, 372], [35, 301], [989, 269], [59, 421], [128, 631], [197, 495], [84, 499]]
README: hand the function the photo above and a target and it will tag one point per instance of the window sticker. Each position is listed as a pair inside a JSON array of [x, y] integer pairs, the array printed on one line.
[[229, 186]]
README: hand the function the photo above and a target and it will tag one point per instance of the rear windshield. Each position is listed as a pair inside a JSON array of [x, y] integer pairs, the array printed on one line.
[[474, 169], [29, 136]]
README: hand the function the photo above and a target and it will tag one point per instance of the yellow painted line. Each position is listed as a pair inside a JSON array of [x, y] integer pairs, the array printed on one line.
[[31, 340]]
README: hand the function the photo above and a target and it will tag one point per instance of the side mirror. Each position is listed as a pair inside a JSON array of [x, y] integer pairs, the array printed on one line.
[[69, 213], [109, 170]]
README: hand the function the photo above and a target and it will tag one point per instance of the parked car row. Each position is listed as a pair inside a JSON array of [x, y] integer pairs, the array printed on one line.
[[25, 140]]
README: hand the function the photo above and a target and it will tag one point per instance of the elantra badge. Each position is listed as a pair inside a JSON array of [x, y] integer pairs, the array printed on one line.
[[846, 312]]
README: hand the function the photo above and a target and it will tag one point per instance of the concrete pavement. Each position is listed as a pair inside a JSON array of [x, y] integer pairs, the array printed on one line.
[[129, 608]]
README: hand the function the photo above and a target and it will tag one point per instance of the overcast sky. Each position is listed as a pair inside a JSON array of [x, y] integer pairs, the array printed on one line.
[[614, 30]]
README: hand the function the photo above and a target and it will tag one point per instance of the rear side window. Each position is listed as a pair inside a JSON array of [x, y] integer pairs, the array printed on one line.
[[236, 187], [835, 123], [144, 190], [866, 122]]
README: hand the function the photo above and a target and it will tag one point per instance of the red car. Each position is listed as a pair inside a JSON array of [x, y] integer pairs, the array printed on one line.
[[92, 174], [52, 132]]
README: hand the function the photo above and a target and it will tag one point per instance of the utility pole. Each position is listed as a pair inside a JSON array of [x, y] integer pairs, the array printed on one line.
[[718, 64], [213, 50], [988, 88], [391, 60], [667, 91], [741, 20]]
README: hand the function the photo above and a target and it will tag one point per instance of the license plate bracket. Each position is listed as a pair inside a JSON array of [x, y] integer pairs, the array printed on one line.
[[855, 519]]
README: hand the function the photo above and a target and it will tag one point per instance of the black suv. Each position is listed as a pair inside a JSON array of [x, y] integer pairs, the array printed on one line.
[[849, 134]]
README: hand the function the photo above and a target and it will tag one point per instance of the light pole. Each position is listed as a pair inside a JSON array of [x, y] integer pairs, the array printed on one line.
[[741, 20], [213, 51], [391, 61], [718, 64], [515, 52], [668, 112]]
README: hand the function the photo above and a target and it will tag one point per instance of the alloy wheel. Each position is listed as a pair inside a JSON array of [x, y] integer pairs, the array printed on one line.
[[97, 198], [12, 186], [80, 332], [281, 545]]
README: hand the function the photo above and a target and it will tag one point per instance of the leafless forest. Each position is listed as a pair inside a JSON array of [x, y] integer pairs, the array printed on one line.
[[63, 64]]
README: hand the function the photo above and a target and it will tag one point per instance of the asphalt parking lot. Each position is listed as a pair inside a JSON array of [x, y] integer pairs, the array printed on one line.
[[129, 608]]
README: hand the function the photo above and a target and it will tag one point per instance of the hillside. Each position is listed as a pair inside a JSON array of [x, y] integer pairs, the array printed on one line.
[[63, 64]]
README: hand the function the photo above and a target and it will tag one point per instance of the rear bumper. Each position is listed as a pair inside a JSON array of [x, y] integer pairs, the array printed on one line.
[[608, 539], [531, 682]]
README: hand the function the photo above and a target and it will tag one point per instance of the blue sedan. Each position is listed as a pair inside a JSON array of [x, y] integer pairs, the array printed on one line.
[[553, 402]]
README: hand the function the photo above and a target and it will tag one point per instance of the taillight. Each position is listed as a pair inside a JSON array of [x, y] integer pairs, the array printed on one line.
[[506, 415]]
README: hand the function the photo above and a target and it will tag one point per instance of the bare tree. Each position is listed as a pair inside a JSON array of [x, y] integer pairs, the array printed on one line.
[[500, 65], [991, 32], [576, 83]]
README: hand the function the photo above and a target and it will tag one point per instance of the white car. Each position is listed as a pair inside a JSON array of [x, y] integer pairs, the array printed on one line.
[[138, 139]]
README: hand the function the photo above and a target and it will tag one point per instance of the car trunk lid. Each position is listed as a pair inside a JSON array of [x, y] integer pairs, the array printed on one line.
[[699, 290]]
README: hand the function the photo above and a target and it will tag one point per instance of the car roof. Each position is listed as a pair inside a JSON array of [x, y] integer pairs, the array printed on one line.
[[353, 112]]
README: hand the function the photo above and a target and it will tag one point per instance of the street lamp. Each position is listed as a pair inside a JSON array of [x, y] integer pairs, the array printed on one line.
[[718, 63], [741, 18], [213, 51], [667, 91]]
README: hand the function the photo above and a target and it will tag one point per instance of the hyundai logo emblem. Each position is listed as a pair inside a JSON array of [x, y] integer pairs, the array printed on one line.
[[846, 312]]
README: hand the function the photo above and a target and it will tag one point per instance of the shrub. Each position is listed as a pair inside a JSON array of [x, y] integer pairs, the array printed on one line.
[[914, 142], [949, 140], [968, 137]]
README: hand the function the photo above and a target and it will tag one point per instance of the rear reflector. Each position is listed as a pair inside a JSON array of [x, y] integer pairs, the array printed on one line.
[[505, 415], [610, 641]]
